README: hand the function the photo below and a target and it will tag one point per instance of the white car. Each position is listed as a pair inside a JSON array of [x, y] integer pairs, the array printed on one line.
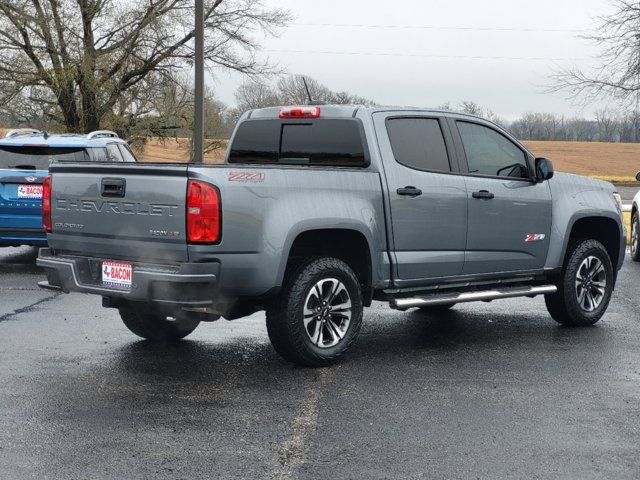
[[635, 226]]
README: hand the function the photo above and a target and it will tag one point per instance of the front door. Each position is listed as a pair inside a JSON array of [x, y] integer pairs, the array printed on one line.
[[427, 197], [509, 213]]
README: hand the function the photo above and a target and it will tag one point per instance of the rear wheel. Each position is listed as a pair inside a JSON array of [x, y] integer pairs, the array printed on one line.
[[318, 315], [635, 233], [584, 287], [154, 326]]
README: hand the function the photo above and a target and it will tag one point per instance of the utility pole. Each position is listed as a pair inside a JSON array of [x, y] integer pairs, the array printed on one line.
[[198, 124]]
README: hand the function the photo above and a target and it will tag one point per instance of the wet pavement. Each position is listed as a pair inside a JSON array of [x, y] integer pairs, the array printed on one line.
[[487, 391]]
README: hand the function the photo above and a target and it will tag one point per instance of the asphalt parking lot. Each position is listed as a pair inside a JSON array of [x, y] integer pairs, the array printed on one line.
[[488, 391]]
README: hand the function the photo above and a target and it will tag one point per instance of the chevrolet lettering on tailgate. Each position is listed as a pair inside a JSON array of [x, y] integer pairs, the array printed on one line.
[[118, 208]]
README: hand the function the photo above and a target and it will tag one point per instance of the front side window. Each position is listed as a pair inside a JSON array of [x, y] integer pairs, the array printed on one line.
[[490, 153], [418, 143]]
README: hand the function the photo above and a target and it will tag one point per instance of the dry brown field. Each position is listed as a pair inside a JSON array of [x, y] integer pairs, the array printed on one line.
[[611, 161], [173, 150], [614, 161]]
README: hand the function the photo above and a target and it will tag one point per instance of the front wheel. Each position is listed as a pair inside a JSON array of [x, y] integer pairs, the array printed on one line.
[[155, 326], [585, 286], [318, 315], [635, 232]]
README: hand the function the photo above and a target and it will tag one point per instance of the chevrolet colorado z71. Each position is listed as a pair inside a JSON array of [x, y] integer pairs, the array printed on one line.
[[318, 211]]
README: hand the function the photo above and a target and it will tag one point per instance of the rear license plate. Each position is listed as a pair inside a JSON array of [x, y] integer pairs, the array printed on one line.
[[30, 191], [117, 275]]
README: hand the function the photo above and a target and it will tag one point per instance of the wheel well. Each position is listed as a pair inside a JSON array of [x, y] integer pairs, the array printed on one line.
[[349, 246], [605, 230]]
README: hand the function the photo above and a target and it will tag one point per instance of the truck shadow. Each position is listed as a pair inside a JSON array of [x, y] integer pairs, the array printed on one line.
[[19, 260], [409, 335], [467, 332]]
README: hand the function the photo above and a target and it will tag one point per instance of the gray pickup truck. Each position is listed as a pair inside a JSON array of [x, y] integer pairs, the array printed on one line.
[[318, 211]]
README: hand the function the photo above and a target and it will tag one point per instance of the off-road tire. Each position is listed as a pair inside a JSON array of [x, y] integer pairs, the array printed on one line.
[[153, 326], [285, 318], [563, 305]]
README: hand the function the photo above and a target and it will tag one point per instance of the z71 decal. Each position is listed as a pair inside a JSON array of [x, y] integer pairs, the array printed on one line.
[[246, 177], [535, 237]]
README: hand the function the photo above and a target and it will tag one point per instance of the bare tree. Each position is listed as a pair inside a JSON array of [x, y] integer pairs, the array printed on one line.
[[618, 75], [77, 60], [255, 94], [289, 90]]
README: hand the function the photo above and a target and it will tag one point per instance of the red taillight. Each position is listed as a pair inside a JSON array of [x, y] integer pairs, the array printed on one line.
[[300, 112], [203, 213], [46, 204]]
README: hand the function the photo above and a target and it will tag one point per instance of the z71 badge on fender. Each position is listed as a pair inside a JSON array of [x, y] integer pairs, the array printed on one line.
[[535, 237]]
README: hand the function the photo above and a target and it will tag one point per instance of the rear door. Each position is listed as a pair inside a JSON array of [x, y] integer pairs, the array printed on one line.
[[509, 213], [120, 211], [427, 196]]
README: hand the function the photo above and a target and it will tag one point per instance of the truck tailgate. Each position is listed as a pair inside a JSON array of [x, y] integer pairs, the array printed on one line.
[[116, 211]]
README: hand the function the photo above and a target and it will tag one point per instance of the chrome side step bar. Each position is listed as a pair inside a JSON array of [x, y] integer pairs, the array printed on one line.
[[479, 296]]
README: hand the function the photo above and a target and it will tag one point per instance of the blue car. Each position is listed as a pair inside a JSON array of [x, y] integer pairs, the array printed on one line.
[[25, 155]]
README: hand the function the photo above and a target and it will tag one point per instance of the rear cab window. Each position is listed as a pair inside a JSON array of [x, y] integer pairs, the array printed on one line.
[[38, 158], [419, 143], [320, 142]]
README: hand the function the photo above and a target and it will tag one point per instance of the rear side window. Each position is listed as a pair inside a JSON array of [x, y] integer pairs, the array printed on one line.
[[126, 153], [99, 154], [329, 142], [113, 153], [418, 143], [38, 158]]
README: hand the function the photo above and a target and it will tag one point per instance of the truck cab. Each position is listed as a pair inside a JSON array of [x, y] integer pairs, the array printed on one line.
[[25, 156]]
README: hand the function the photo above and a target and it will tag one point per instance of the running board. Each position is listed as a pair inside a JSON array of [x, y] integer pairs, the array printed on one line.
[[478, 296]]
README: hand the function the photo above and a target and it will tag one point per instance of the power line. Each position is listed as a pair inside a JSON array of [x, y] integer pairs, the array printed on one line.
[[420, 55], [436, 27]]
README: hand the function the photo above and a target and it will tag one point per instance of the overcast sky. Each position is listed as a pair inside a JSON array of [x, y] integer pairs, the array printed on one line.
[[421, 53]]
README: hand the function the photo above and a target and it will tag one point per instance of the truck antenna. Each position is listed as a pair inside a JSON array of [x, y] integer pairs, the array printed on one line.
[[306, 87]]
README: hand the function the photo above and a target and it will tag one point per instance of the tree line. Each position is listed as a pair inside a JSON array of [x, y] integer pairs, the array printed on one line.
[[608, 125]]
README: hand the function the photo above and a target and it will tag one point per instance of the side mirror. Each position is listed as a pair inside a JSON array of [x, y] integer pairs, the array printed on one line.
[[544, 169], [638, 176]]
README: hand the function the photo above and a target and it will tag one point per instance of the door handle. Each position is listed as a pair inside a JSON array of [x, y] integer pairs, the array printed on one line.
[[409, 191], [483, 194]]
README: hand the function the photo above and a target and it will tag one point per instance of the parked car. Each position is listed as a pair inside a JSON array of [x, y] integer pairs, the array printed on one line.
[[25, 155], [317, 211], [635, 226]]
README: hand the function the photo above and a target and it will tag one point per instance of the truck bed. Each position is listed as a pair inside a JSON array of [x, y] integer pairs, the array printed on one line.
[[262, 210]]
